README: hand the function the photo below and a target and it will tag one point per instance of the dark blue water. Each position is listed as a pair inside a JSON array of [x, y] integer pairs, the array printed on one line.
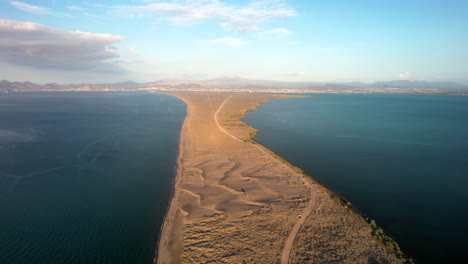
[[85, 177], [401, 159]]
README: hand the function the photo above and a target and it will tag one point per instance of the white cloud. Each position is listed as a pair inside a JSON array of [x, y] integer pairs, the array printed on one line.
[[227, 41], [247, 18], [38, 10], [405, 75], [230, 17], [30, 44], [30, 8], [277, 33]]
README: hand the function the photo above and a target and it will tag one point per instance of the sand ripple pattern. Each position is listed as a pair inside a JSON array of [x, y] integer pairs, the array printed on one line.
[[233, 201]]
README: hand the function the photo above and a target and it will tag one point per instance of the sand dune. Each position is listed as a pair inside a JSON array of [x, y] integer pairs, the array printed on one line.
[[233, 201]]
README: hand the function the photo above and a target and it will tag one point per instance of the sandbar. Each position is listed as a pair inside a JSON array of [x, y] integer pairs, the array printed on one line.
[[235, 201]]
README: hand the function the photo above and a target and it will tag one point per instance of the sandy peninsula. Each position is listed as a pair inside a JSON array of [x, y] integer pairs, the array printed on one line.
[[235, 201]]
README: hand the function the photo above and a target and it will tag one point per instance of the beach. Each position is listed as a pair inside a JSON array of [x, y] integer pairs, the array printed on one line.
[[235, 201]]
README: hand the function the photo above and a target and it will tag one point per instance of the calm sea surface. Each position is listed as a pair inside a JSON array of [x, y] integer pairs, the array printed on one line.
[[401, 159], [85, 177]]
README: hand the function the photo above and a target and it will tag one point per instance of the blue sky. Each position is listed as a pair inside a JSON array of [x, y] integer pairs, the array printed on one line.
[[110, 41]]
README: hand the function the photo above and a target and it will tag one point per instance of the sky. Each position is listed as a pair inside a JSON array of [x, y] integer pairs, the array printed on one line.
[[97, 41]]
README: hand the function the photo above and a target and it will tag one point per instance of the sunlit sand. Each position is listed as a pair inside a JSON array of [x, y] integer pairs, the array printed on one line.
[[234, 200]]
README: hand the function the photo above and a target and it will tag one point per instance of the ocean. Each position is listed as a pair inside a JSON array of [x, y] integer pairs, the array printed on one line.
[[85, 177], [400, 159]]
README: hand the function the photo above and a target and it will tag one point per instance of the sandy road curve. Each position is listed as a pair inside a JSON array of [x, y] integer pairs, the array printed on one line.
[[216, 119], [300, 221], [297, 227]]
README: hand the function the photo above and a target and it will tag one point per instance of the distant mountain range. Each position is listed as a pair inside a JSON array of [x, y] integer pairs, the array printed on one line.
[[235, 84]]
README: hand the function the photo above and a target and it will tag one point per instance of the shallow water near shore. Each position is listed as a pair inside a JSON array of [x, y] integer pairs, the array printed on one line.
[[85, 177], [401, 159]]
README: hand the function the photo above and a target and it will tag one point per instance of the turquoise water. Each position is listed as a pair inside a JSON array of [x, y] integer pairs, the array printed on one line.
[[401, 159], [85, 177]]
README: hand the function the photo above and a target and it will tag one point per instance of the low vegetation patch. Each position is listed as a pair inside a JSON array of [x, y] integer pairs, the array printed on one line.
[[391, 244], [252, 134]]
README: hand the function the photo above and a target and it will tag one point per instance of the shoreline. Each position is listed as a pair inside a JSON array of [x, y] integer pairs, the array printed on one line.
[[179, 221], [171, 213], [343, 200], [314, 179], [177, 167]]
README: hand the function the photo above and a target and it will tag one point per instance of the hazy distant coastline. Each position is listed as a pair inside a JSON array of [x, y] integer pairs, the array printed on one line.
[[228, 84]]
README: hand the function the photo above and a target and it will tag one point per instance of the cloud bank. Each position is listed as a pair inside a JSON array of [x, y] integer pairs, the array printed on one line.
[[30, 44]]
